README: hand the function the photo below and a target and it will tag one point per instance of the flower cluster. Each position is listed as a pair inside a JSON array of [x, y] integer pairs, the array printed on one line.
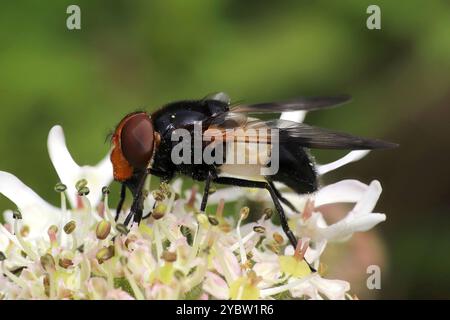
[[81, 252]]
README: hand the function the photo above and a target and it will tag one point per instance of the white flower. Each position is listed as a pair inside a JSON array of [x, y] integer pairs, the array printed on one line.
[[69, 172], [359, 219], [37, 213], [317, 288], [179, 254]]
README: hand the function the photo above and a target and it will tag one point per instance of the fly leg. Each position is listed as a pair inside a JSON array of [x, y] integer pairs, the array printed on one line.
[[137, 207], [276, 202], [281, 198], [206, 193], [123, 193]]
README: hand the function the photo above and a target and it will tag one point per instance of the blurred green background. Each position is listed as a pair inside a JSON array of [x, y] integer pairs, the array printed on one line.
[[131, 55]]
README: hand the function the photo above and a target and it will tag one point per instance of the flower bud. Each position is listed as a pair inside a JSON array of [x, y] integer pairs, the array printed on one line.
[[103, 229], [69, 227]]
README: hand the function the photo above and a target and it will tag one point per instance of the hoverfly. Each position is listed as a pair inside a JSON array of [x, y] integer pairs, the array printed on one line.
[[143, 145]]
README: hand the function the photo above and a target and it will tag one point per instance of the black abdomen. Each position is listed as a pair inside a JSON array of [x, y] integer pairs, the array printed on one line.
[[296, 169]]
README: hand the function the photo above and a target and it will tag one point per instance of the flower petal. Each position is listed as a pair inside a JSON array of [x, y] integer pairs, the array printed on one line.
[[341, 192], [69, 172], [36, 213], [358, 219], [332, 289], [350, 157], [215, 286], [296, 116]]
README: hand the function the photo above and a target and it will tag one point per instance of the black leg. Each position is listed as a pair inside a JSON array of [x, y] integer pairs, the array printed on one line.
[[123, 193], [138, 205], [138, 200], [283, 199], [206, 193], [276, 202], [283, 219]]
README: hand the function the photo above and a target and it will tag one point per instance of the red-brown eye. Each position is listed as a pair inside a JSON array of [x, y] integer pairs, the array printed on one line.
[[137, 140]]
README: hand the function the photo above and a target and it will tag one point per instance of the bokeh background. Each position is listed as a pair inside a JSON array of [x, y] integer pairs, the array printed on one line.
[[142, 54]]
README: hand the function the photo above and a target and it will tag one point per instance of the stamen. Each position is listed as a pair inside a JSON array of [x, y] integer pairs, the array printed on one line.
[[137, 292], [159, 211], [107, 210], [264, 293], [48, 263], [278, 238], [81, 184], [158, 240], [69, 227], [19, 281], [259, 229], [52, 234], [105, 253], [191, 201], [301, 250], [65, 263], [61, 189], [268, 212], [17, 217], [244, 240], [308, 210], [120, 227], [244, 214], [169, 256], [103, 229], [220, 208], [213, 221]]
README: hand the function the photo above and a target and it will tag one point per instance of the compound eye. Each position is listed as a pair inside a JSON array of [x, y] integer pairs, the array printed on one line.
[[137, 140]]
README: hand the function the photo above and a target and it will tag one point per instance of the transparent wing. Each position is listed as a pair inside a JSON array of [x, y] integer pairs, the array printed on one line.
[[303, 103], [237, 127]]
